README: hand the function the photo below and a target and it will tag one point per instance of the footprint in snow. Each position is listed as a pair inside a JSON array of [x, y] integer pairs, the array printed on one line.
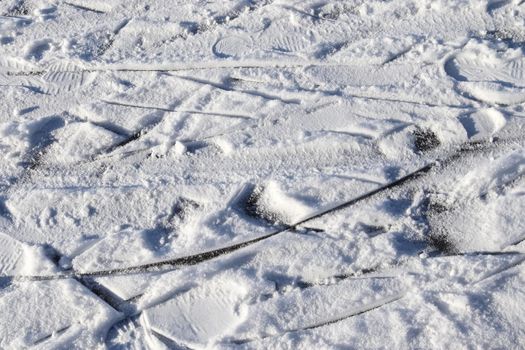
[[36, 50], [232, 46], [488, 75]]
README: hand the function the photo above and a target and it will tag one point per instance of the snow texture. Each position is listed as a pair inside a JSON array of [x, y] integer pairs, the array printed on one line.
[[262, 174]]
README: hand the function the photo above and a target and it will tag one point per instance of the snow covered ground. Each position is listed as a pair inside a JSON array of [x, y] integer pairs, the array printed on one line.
[[262, 174]]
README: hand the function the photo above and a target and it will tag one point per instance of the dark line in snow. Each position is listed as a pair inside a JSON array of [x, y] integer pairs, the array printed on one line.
[[224, 64], [103, 293], [348, 133], [121, 26], [363, 274], [208, 255], [133, 137], [304, 13], [166, 109], [481, 253], [369, 308], [92, 285], [226, 87], [397, 55], [361, 310], [367, 195], [500, 270], [102, 49], [519, 240], [111, 128], [170, 343], [426, 104], [57, 332], [84, 8]]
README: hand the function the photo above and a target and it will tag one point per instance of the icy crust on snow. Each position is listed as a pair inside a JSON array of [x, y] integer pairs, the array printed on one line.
[[262, 174]]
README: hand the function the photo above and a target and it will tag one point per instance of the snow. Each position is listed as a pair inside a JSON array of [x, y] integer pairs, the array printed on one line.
[[262, 174], [200, 315], [40, 309]]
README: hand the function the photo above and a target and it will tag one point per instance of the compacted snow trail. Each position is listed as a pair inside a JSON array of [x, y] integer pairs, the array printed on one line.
[[262, 174]]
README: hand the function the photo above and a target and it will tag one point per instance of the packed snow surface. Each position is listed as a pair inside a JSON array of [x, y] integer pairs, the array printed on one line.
[[262, 174]]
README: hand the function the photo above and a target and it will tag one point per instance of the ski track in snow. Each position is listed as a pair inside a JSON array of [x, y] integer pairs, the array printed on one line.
[[262, 174]]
